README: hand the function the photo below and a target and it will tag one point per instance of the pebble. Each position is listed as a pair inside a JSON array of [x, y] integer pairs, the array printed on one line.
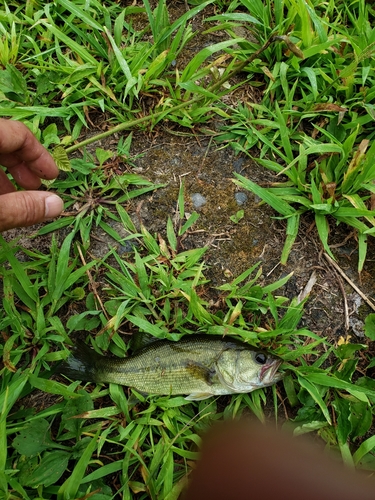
[[237, 164], [357, 326], [241, 198], [127, 247], [176, 161], [198, 200]]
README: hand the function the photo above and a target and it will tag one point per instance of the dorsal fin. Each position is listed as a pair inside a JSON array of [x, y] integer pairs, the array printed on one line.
[[139, 340]]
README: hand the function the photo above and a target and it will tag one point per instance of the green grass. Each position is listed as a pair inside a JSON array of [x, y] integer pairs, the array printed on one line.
[[314, 126], [63, 63]]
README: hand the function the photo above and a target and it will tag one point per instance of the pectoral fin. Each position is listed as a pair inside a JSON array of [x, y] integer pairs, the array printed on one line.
[[200, 372], [198, 396]]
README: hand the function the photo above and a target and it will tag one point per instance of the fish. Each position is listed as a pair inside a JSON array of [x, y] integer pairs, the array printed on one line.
[[197, 366]]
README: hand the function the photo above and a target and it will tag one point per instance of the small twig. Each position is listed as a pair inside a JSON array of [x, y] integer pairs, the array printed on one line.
[[282, 401], [338, 245], [341, 285], [348, 280], [346, 309], [309, 286], [272, 270], [204, 157]]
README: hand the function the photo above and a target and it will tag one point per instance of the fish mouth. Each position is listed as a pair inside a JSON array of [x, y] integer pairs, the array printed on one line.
[[268, 372]]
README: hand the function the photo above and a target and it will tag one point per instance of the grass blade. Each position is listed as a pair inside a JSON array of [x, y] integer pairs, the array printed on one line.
[[271, 199], [314, 393], [291, 235], [70, 487]]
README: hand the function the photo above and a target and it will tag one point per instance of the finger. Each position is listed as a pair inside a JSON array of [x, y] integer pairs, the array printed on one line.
[[18, 145], [242, 460], [25, 208], [5, 185], [24, 177]]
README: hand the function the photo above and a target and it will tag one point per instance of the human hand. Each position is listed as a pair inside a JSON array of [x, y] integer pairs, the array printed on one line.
[[247, 460], [27, 161]]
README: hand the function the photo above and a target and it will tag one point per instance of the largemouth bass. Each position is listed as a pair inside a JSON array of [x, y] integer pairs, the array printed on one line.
[[198, 366]]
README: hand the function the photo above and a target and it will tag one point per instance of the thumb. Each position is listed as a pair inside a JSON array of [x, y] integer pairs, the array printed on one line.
[[25, 208]]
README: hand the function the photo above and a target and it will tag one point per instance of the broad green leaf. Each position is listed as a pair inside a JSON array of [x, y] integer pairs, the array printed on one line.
[[105, 470], [61, 159], [20, 113], [235, 16], [224, 330], [142, 276], [370, 326], [344, 426], [331, 381], [360, 418], [82, 322], [290, 390], [72, 418], [131, 81], [12, 392], [125, 218], [34, 438], [193, 65], [51, 467]]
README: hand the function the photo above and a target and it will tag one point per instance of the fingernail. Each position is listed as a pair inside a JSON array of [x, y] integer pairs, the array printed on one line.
[[53, 206]]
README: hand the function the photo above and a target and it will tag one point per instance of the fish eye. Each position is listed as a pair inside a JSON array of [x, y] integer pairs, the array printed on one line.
[[260, 358]]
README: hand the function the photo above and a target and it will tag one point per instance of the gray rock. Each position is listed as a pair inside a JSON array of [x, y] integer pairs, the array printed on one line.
[[241, 198], [198, 200]]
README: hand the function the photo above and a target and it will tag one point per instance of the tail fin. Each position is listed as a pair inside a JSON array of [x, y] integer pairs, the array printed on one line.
[[81, 364]]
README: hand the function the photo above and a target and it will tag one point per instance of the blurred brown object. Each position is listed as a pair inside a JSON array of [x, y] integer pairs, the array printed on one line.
[[246, 460]]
